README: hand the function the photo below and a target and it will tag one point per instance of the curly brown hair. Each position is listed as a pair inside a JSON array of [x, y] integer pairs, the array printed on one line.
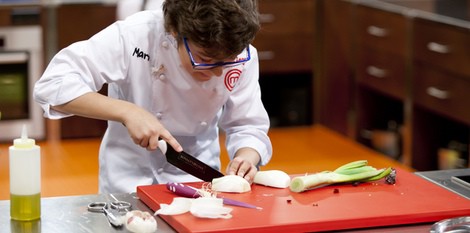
[[223, 28]]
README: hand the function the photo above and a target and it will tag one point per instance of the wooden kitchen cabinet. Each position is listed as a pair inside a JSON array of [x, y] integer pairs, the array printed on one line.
[[381, 50], [334, 70], [285, 45], [407, 68], [381, 55], [441, 90], [284, 41], [64, 25]]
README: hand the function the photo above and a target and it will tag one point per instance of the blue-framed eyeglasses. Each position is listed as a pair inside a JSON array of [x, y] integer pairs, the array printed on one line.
[[245, 56]]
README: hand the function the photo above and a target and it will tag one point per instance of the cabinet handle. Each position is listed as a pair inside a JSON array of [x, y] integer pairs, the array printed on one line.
[[266, 55], [437, 93], [266, 18], [377, 31], [438, 48], [376, 72]]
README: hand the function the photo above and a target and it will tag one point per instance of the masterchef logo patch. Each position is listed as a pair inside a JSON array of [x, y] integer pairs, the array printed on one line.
[[231, 78]]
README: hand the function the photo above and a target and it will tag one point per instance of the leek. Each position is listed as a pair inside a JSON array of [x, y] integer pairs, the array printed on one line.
[[357, 171]]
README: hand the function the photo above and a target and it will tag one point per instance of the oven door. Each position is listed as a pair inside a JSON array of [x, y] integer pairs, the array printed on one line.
[[14, 96]]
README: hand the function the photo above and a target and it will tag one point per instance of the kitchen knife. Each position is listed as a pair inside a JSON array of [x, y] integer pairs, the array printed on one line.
[[188, 163]]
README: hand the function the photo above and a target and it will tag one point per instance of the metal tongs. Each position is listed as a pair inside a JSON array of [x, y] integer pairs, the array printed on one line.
[[452, 225]]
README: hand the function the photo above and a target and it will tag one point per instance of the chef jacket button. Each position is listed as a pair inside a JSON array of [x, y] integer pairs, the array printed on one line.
[[165, 44], [161, 77], [159, 115], [203, 124]]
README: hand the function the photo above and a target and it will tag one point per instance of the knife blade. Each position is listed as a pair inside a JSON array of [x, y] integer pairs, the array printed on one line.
[[188, 163]]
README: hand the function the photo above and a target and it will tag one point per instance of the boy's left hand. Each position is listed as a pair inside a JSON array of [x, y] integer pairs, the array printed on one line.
[[244, 164]]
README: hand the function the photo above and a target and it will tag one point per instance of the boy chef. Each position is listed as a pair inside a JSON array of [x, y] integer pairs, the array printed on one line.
[[179, 74]]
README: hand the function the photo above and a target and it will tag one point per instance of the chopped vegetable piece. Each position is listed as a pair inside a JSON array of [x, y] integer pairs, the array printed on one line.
[[202, 207], [230, 184], [179, 205], [191, 192], [272, 178], [210, 207]]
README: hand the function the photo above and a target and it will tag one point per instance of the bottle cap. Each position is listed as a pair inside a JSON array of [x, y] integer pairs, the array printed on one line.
[[24, 142]]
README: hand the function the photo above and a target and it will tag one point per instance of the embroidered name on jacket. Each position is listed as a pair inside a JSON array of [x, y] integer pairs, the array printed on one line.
[[141, 54]]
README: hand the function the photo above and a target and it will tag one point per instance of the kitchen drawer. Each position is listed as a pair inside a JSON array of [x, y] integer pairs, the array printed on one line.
[[382, 71], [286, 17], [442, 45], [382, 30], [281, 54], [437, 91], [286, 38]]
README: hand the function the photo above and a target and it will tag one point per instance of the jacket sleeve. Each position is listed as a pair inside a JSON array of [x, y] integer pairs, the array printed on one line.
[[81, 68], [244, 118]]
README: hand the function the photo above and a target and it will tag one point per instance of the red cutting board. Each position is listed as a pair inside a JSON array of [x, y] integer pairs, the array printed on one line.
[[411, 200]]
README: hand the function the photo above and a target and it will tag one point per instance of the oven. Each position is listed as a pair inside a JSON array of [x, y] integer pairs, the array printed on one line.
[[21, 66]]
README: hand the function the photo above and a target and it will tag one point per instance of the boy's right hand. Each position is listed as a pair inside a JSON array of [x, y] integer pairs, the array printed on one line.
[[145, 130]]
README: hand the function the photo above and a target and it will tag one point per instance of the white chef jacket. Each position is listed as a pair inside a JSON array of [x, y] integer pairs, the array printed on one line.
[[140, 63]]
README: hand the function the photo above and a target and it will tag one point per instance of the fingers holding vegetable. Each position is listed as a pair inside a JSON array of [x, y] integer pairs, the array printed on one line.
[[244, 164], [241, 167]]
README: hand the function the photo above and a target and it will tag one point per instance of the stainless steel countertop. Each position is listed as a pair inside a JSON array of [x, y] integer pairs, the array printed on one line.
[[443, 178], [70, 214]]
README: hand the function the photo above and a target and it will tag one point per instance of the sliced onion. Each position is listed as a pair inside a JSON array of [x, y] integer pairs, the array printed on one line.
[[140, 222], [230, 184], [272, 178], [210, 207], [179, 205]]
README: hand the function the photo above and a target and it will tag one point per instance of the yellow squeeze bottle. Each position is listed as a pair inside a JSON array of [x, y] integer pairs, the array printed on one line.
[[25, 179]]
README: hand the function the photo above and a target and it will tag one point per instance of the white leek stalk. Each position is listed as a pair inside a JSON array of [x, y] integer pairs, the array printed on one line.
[[356, 171]]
